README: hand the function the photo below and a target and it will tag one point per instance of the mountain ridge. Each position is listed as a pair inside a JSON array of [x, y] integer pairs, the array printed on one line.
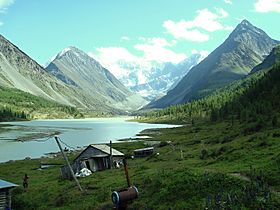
[[19, 71], [230, 61], [270, 60], [76, 68], [155, 81]]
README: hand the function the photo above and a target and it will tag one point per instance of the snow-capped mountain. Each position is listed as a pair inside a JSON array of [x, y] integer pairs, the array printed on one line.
[[245, 47], [74, 67], [154, 80]]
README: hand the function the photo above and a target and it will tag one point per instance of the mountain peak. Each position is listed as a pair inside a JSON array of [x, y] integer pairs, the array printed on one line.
[[245, 26], [68, 49], [71, 51], [63, 51], [245, 23], [245, 48]]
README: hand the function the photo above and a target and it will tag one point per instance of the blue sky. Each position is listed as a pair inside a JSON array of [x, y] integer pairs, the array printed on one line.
[[136, 31]]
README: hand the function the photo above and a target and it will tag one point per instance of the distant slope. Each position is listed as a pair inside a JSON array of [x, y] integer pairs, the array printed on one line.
[[160, 78], [32, 107], [203, 108], [245, 47], [270, 60], [18, 70], [231, 99], [75, 68]]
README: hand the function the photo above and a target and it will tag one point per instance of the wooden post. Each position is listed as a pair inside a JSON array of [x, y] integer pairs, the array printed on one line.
[[70, 168], [9, 197], [111, 156], [126, 173]]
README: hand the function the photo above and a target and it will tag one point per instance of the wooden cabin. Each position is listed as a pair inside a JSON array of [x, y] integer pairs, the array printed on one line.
[[143, 152], [5, 194], [96, 157]]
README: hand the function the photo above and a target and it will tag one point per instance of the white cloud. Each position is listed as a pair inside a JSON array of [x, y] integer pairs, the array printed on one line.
[[4, 4], [114, 54], [121, 62], [155, 49], [189, 30], [124, 38], [228, 1], [265, 6], [179, 31], [160, 42], [113, 57], [159, 54], [203, 53], [222, 12], [142, 39], [208, 20]]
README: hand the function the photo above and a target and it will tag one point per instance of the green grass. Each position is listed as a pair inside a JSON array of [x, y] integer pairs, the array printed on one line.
[[211, 153], [34, 106]]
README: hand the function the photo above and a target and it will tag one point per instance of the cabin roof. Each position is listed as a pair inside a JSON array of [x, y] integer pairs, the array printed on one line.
[[106, 149], [144, 149], [4, 184], [103, 148]]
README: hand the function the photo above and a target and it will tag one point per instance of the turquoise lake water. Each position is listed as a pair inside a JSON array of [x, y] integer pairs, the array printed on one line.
[[75, 133]]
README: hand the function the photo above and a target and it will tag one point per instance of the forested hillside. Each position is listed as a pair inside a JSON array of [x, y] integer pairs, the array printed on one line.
[[234, 59], [202, 108], [259, 102], [16, 104], [253, 98], [7, 114]]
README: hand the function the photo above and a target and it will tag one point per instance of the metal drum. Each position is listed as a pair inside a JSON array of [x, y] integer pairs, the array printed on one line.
[[123, 196]]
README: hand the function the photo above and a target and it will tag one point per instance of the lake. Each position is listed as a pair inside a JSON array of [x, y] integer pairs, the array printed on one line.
[[31, 138]]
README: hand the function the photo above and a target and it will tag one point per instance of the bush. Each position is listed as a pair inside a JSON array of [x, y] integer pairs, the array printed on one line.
[[274, 121], [253, 127], [163, 144], [204, 154]]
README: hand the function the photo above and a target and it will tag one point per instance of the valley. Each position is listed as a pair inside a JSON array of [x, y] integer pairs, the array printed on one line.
[[198, 126]]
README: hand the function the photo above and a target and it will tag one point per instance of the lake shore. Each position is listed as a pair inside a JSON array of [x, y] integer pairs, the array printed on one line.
[[21, 136], [177, 168]]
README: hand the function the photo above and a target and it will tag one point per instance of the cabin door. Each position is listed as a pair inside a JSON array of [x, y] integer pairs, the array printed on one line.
[[88, 165]]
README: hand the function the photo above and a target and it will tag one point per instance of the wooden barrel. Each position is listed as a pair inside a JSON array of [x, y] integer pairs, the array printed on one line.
[[123, 196]]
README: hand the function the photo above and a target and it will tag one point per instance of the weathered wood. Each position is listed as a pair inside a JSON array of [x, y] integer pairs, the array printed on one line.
[[143, 152], [67, 161], [65, 172], [126, 173], [94, 159], [111, 156], [5, 199]]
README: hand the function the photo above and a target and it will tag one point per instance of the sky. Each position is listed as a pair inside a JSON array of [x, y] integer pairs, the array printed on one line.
[[137, 31]]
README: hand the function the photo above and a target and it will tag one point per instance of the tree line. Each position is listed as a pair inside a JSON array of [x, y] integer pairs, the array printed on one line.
[[7, 114], [255, 98]]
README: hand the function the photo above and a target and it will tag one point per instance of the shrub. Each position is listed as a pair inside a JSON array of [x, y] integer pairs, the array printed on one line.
[[204, 154]]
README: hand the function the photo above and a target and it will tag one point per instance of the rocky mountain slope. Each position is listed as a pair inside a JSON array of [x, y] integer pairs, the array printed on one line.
[[270, 60], [18, 70], [75, 68], [245, 48], [153, 82]]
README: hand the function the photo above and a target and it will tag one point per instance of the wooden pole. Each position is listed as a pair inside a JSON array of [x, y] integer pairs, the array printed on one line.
[[111, 156], [126, 173], [70, 168]]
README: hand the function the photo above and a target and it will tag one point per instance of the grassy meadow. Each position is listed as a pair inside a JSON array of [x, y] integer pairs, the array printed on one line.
[[206, 165]]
